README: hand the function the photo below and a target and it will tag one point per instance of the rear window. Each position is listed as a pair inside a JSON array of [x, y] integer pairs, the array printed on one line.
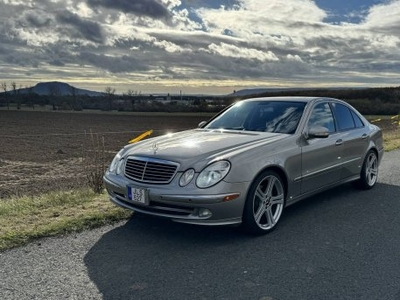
[[357, 120], [343, 116]]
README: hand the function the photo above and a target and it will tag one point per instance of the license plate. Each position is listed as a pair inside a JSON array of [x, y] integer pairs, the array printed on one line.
[[137, 195]]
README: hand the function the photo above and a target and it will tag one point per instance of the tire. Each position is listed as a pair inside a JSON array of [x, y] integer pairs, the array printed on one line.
[[264, 204], [369, 172]]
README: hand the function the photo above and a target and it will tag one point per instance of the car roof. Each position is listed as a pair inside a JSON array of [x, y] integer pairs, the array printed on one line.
[[288, 98]]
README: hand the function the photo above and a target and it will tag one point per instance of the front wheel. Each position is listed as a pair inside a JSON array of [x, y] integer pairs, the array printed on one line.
[[369, 171], [264, 204]]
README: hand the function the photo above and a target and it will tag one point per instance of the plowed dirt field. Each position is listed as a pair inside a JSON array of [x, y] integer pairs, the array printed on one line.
[[42, 151]]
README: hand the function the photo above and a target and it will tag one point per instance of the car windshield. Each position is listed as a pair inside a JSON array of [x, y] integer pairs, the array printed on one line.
[[265, 116]]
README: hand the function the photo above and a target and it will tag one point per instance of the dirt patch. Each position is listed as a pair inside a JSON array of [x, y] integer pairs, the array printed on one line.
[[42, 151], [31, 178]]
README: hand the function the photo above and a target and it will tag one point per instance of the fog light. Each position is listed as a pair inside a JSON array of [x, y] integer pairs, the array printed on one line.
[[204, 212]]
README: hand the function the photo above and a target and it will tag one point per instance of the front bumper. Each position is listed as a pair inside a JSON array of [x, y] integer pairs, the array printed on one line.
[[212, 206]]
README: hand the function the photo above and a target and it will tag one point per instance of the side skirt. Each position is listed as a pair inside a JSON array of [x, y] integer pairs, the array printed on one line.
[[320, 190]]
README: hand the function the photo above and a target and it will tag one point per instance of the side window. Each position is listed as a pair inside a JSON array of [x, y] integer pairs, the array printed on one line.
[[357, 120], [343, 116], [321, 115]]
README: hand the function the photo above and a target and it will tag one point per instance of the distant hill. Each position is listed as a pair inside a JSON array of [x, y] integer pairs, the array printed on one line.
[[59, 89]]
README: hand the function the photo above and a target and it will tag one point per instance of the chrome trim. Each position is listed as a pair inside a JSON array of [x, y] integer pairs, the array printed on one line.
[[152, 210], [352, 160], [327, 169], [318, 172], [147, 160], [197, 199], [224, 222]]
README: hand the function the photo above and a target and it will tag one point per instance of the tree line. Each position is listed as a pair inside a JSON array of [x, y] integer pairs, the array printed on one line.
[[108, 100], [369, 101]]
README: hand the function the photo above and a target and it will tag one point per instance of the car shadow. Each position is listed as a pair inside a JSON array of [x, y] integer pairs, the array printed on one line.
[[153, 258]]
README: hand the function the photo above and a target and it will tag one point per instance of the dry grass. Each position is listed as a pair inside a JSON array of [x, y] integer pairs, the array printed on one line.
[[27, 218], [391, 139], [390, 126], [94, 158]]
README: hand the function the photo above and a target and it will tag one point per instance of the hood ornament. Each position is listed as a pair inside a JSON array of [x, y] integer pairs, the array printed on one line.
[[155, 148]]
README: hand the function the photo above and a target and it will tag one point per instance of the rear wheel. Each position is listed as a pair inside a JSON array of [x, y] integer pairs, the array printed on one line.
[[264, 204], [369, 171]]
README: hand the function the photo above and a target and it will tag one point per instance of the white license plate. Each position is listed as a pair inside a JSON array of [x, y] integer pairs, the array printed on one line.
[[137, 195]]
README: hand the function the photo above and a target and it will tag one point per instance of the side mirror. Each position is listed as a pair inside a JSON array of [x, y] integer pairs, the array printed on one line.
[[318, 132], [201, 124]]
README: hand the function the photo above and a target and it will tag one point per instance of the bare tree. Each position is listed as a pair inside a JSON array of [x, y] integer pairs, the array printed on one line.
[[130, 93], [14, 87], [73, 94], [131, 96], [110, 95], [4, 88], [30, 95], [16, 94], [19, 97], [55, 92]]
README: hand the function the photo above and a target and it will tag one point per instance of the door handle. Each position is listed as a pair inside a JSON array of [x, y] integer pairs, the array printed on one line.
[[339, 142], [364, 136]]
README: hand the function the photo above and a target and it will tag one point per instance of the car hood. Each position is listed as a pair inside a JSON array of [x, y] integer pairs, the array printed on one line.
[[192, 147]]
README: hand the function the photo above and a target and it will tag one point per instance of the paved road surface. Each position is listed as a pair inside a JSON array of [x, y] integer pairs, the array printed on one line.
[[342, 244]]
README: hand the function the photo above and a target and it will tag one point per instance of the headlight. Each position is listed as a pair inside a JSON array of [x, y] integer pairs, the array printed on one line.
[[115, 161], [186, 177], [213, 174]]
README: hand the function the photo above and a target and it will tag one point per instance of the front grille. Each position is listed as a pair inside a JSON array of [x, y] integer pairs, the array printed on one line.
[[150, 170]]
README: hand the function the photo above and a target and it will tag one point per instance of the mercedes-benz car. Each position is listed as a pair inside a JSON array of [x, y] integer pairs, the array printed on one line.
[[247, 163]]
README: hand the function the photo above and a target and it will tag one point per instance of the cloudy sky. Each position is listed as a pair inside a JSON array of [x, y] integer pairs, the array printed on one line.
[[200, 46]]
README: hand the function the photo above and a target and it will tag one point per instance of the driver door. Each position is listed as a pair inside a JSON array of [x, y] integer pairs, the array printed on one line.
[[321, 157]]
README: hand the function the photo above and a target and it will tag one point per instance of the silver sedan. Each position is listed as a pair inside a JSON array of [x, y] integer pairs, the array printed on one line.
[[249, 162]]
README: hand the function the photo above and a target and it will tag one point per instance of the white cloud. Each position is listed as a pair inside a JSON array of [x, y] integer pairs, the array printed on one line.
[[300, 10], [261, 17], [171, 3], [19, 2], [295, 58], [228, 50], [82, 10], [169, 47], [384, 16]]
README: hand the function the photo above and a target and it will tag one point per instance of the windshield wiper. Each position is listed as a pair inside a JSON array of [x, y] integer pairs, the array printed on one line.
[[233, 128]]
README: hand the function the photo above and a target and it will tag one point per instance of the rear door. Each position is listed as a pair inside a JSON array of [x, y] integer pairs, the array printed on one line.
[[354, 137]]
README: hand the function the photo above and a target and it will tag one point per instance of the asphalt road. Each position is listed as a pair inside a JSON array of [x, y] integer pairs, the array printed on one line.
[[342, 244]]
